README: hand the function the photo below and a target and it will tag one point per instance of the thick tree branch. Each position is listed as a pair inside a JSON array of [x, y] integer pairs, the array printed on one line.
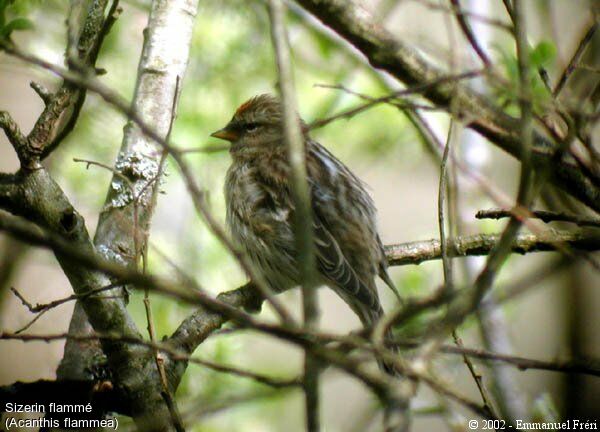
[[134, 369], [353, 23], [37, 197], [124, 223]]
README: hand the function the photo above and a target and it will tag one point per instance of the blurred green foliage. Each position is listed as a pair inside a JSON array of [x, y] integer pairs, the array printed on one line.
[[541, 56], [8, 24]]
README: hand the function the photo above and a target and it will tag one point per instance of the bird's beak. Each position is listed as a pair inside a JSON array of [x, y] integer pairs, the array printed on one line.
[[225, 134]]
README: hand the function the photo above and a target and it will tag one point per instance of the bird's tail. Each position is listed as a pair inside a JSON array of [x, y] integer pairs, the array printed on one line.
[[369, 318], [396, 415]]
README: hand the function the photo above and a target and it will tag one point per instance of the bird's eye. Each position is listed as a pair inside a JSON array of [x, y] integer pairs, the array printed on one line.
[[251, 127]]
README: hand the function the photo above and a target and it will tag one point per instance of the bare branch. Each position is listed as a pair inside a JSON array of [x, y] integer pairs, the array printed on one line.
[[205, 149], [579, 366], [390, 99], [303, 217], [442, 190], [467, 13], [545, 216], [90, 28], [378, 383], [165, 349], [44, 94], [511, 405], [483, 391], [41, 309], [468, 32], [14, 135], [63, 106], [481, 244], [574, 62]]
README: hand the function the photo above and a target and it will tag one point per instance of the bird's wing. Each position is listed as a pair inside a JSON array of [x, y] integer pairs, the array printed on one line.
[[383, 273], [333, 265], [331, 262]]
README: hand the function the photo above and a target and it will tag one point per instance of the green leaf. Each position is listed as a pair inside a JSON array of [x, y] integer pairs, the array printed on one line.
[[3, 4], [16, 24], [542, 54], [19, 24]]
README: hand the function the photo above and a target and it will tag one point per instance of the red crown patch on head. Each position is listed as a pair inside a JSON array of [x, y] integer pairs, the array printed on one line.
[[243, 107]]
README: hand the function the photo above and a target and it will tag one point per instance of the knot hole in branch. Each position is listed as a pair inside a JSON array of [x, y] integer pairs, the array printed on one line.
[[68, 220]]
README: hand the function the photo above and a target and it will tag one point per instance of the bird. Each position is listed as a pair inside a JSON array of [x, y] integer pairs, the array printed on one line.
[[260, 210]]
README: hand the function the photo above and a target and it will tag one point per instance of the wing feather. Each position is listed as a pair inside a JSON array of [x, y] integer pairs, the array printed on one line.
[[334, 266]]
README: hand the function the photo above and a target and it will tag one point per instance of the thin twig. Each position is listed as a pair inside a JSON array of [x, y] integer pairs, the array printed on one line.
[[573, 63], [173, 354], [303, 218], [467, 13], [507, 389], [579, 366], [416, 89], [116, 172], [543, 215], [485, 396], [468, 32], [443, 185], [205, 149], [41, 309]]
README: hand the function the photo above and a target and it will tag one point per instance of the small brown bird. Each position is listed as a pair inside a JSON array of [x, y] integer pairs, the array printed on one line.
[[260, 210]]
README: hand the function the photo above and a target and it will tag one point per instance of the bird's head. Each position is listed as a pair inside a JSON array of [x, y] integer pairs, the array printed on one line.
[[256, 123]]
